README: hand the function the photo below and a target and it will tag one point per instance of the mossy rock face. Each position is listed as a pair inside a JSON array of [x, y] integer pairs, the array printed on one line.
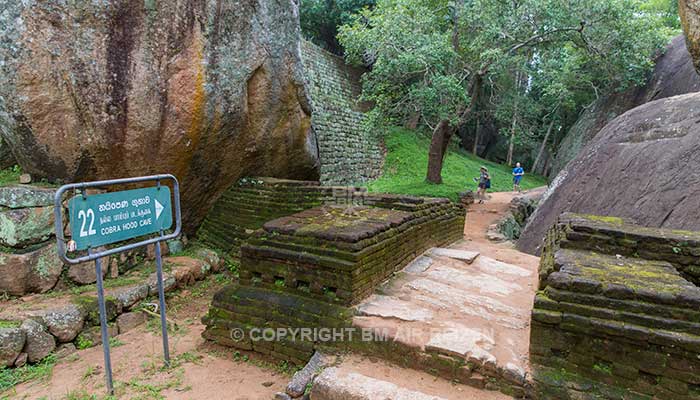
[[26, 196], [22, 227], [90, 308], [92, 336], [36, 271]]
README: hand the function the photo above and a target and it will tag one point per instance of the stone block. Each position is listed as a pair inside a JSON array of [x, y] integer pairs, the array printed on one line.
[[35, 271]]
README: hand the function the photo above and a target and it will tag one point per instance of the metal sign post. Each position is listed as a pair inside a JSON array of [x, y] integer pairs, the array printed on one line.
[[107, 218]]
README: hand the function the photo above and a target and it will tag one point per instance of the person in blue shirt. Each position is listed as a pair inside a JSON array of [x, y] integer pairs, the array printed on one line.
[[518, 173]]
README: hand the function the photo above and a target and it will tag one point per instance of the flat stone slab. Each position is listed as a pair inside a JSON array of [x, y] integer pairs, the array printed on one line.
[[334, 385], [420, 264], [462, 255], [460, 341], [483, 283], [489, 265], [391, 307], [623, 278], [345, 224]]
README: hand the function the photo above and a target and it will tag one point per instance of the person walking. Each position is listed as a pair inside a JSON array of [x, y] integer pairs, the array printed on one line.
[[518, 173], [484, 181]]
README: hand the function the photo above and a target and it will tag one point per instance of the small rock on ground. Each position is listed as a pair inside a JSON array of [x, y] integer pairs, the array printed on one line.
[[65, 323], [421, 264], [21, 360], [303, 377], [462, 255], [64, 350], [39, 342], [130, 320], [11, 344]]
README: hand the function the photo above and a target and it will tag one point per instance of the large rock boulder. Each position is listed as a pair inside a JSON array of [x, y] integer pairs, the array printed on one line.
[[674, 74], [642, 166], [208, 90], [35, 271], [689, 10], [25, 226]]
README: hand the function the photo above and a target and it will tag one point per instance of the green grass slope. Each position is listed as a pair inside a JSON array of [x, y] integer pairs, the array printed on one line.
[[407, 162]]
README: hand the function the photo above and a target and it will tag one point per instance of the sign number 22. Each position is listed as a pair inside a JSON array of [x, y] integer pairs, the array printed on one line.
[[83, 216]]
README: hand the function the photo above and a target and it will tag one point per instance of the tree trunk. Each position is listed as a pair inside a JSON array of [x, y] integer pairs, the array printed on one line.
[[542, 147], [438, 147], [511, 144], [476, 138]]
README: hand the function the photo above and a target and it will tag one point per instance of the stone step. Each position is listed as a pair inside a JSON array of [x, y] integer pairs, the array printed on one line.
[[461, 255], [362, 379]]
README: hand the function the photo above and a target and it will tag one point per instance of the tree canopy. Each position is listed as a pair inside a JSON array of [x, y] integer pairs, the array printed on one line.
[[525, 64]]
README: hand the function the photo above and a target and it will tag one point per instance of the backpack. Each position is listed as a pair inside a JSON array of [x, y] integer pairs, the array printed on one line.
[[488, 184]]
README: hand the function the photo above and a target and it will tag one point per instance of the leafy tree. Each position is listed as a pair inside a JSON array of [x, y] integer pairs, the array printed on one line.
[[320, 19], [532, 58]]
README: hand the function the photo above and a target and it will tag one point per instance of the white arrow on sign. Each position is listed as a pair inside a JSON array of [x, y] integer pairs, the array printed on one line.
[[159, 209]]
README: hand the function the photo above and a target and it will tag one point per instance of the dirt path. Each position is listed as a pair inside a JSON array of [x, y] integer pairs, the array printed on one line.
[[480, 217], [200, 370]]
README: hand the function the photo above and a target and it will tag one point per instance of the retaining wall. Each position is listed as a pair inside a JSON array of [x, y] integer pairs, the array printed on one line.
[[618, 312]]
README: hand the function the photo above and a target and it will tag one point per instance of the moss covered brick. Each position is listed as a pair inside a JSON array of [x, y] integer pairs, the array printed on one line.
[[305, 270], [617, 315]]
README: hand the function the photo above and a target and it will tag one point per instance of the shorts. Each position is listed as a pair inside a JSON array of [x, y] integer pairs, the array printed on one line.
[[482, 186], [517, 179]]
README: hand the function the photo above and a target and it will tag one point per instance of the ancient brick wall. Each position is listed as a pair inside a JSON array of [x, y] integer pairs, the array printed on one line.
[[349, 154], [305, 270], [617, 314], [251, 202]]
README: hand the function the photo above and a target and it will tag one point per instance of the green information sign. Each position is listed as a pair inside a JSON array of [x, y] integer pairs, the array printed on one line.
[[112, 217]]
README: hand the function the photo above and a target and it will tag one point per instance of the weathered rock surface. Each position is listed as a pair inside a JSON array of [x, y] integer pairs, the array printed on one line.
[[25, 196], [33, 272], [689, 11], [11, 344], [129, 297], [21, 360], [85, 273], [673, 75], [301, 379], [22, 227], [640, 167], [40, 343], [65, 323], [129, 321], [332, 384], [207, 90]]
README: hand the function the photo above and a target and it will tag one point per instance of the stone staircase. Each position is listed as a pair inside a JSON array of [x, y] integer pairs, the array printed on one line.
[[456, 314]]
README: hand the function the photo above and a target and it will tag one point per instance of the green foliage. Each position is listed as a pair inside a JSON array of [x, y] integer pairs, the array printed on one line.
[[10, 176], [83, 342], [406, 160], [4, 323], [521, 64], [320, 19], [10, 377]]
